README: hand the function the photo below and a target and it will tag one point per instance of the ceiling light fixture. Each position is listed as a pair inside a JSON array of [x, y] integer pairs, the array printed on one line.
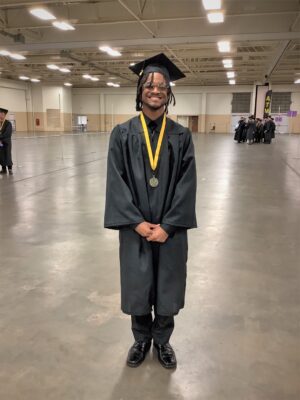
[[4, 53], [24, 78], [42, 13], [64, 26], [113, 84], [94, 78], [65, 70], [86, 76], [35, 80], [227, 63], [224, 46], [230, 74], [172, 84], [231, 81], [211, 4], [114, 53], [52, 66], [110, 51], [297, 81], [17, 56], [68, 84], [215, 17]]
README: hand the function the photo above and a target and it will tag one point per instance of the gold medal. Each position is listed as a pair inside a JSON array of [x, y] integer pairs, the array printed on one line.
[[153, 160], [153, 181]]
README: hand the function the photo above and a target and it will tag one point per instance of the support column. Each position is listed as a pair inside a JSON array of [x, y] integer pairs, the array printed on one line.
[[203, 113]]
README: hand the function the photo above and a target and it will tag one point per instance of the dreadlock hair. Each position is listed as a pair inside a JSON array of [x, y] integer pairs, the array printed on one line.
[[142, 79]]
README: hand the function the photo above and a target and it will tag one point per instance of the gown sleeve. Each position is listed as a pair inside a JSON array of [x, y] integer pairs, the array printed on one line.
[[120, 210], [7, 131], [181, 213]]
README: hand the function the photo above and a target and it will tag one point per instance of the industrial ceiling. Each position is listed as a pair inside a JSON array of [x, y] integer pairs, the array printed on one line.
[[264, 37]]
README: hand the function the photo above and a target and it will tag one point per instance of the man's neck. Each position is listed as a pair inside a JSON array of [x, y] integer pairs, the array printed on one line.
[[153, 114]]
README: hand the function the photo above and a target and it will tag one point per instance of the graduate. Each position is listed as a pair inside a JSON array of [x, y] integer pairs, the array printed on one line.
[[5, 143], [150, 199]]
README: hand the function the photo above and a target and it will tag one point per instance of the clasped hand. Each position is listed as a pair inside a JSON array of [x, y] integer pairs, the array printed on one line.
[[152, 232]]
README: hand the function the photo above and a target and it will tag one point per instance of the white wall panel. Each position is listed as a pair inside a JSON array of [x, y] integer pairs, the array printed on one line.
[[119, 104], [186, 104], [52, 97], [67, 100], [218, 103], [37, 98], [86, 103], [295, 106], [13, 99]]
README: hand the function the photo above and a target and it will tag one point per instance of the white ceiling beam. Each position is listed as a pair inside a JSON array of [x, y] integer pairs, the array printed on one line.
[[144, 21], [156, 41], [21, 4]]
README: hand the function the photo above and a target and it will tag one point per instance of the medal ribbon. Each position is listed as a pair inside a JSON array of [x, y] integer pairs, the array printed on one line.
[[153, 162]]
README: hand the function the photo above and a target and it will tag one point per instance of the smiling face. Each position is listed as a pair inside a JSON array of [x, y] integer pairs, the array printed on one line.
[[155, 92], [2, 116]]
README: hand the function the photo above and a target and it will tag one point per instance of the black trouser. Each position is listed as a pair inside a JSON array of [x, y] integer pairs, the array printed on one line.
[[144, 328]]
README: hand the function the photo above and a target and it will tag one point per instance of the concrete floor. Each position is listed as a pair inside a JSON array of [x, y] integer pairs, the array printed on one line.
[[62, 335]]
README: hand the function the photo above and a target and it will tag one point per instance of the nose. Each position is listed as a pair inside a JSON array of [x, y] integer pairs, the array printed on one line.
[[156, 89]]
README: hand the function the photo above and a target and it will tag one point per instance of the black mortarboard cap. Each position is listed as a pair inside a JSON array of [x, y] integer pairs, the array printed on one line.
[[4, 110], [158, 63]]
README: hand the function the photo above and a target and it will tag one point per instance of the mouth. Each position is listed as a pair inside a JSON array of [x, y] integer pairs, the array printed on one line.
[[155, 97]]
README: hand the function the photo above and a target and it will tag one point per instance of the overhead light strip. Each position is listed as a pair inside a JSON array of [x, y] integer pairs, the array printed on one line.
[[14, 56], [42, 13], [211, 4], [110, 51]]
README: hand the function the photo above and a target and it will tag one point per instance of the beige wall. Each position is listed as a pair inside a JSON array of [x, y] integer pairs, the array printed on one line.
[[93, 122], [25, 121], [21, 121], [67, 122], [221, 122], [295, 124], [105, 123]]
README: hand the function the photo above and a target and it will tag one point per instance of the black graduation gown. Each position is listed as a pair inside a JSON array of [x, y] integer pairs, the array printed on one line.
[[5, 150], [239, 131], [130, 200], [273, 128], [268, 132]]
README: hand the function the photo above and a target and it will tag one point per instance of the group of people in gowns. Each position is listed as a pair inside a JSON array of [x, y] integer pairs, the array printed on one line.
[[255, 130]]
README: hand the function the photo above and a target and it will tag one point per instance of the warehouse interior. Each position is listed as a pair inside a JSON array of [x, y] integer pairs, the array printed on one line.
[[62, 333]]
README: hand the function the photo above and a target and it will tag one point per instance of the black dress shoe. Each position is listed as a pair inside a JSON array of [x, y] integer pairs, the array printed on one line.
[[166, 355], [3, 171], [10, 172], [137, 353]]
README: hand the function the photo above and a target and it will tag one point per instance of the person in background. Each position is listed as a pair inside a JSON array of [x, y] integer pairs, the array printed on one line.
[[273, 128], [251, 126], [5, 143], [239, 130], [258, 131], [150, 199], [268, 129]]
